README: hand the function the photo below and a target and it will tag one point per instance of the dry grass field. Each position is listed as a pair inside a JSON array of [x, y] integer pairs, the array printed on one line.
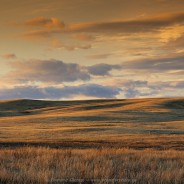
[[136, 140], [45, 165]]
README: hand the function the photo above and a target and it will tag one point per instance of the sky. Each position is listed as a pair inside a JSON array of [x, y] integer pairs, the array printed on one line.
[[90, 49]]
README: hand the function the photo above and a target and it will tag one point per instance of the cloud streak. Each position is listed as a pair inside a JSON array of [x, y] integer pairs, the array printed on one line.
[[131, 26], [52, 26], [49, 23], [157, 64]]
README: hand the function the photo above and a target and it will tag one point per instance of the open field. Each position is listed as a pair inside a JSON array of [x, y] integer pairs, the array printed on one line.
[[44, 165], [141, 139]]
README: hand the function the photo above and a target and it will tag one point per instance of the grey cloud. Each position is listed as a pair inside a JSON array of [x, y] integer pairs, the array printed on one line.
[[135, 83], [102, 69], [32, 92], [142, 88], [139, 88], [54, 71], [166, 85], [179, 84], [133, 88], [47, 71], [157, 64], [131, 93]]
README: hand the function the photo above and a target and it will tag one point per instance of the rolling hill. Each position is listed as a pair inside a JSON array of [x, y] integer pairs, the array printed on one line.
[[132, 123]]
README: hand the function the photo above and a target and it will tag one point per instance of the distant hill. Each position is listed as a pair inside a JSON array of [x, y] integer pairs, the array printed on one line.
[[23, 106]]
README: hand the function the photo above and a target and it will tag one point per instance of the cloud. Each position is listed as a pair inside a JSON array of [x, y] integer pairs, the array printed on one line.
[[54, 71], [125, 89], [59, 45], [131, 93], [9, 56], [130, 26], [47, 71], [177, 43], [52, 26], [134, 88], [134, 83], [49, 26], [126, 83], [143, 88], [157, 64], [155, 88], [99, 56], [177, 73], [67, 92], [168, 1], [49, 23], [102, 69], [167, 85]]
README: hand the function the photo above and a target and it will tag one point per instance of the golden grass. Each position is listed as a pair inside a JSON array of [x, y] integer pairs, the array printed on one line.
[[41, 165], [136, 139]]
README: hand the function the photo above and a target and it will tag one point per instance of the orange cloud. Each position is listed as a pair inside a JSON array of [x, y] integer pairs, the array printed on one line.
[[50, 23], [130, 26], [81, 31], [134, 25], [9, 56]]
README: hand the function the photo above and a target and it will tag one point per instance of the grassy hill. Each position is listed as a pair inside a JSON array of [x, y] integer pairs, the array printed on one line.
[[133, 123]]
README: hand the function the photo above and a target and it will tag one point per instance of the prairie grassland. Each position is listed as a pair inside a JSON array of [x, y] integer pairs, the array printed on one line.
[[45, 165], [137, 123], [141, 139]]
